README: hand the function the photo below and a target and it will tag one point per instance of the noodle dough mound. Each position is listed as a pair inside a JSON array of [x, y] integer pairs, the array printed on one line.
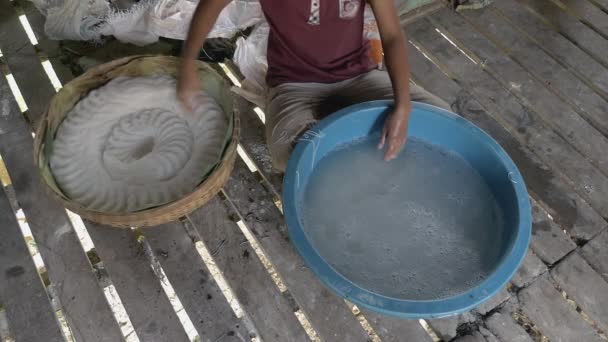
[[129, 145]]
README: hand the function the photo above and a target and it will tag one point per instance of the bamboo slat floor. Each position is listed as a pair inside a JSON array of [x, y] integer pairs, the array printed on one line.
[[531, 73]]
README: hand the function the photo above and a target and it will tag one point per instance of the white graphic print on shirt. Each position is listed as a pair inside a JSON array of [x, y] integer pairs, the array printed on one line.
[[348, 9]]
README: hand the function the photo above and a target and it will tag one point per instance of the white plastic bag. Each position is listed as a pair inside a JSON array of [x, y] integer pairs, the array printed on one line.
[[143, 22], [73, 19], [171, 18], [250, 57], [133, 25], [238, 15]]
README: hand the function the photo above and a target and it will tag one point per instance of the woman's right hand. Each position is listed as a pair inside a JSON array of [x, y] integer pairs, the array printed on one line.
[[188, 84]]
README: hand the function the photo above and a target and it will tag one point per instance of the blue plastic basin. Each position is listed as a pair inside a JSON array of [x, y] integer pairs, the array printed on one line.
[[438, 127]]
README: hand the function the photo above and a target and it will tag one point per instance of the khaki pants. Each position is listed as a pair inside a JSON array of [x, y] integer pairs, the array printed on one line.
[[293, 108]]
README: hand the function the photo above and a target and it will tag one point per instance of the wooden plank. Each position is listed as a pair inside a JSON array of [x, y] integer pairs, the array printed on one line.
[[408, 6], [473, 337], [396, 330], [488, 335], [498, 299], [547, 186], [556, 45], [521, 121], [548, 241], [270, 311], [603, 4], [585, 287], [254, 142], [596, 253], [570, 27], [405, 18], [558, 79], [533, 94], [531, 268], [12, 197], [328, 314], [590, 14], [505, 328], [23, 295], [550, 312], [79, 292], [198, 292], [430, 77], [46, 48], [24, 62], [5, 331], [447, 327], [140, 291]]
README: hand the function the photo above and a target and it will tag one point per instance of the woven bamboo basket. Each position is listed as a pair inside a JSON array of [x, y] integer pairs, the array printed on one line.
[[96, 77]]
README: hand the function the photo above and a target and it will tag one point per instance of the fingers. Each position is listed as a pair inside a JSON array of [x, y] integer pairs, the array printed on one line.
[[185, 102], [391, 151], [383, 138], [186, 99], [395, 144], [394, 147], [188, 85]]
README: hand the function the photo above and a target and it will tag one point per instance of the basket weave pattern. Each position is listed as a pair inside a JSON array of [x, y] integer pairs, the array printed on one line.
[[134, 66]]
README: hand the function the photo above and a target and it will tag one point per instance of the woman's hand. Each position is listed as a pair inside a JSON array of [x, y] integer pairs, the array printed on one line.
[[394, 134], [188, 84]]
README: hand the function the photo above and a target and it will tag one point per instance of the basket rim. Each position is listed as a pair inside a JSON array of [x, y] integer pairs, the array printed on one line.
[[167, 212]]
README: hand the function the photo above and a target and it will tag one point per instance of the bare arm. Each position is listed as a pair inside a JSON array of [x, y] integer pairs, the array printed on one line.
[[396, 56], [204, 18]]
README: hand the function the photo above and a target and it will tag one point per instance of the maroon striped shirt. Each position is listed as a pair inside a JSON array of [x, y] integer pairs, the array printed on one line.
[[315, 41]]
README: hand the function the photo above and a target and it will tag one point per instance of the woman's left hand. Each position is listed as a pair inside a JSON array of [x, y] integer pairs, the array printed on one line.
[[394, 134]]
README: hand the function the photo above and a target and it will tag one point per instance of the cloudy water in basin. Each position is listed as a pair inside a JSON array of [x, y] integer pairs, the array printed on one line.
[[423, 226]]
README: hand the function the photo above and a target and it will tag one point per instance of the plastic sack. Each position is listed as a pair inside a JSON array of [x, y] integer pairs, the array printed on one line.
[[171, 18], [139, 22], [238, 15], [145, 21], [73, 19], [250, 57], [132, 25]]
